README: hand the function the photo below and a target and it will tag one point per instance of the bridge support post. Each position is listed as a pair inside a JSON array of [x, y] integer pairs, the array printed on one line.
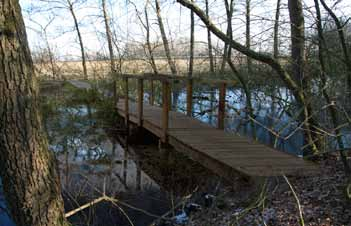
[[189, 97], [126, 102], [152, 93], [126, 111], [221, 106], [165, 109], [140, 101]]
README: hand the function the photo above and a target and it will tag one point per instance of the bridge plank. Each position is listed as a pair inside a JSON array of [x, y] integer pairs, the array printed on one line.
[[219, 150]]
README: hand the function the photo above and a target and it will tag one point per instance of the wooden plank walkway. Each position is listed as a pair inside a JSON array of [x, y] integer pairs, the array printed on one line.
[[224, 153]]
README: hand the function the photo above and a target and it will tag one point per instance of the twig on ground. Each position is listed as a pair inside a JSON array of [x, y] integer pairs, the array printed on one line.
[[87, 205], [302, 222]]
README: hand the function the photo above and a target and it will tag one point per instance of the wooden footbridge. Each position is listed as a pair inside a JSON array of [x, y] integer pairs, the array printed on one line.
[[224, 153]]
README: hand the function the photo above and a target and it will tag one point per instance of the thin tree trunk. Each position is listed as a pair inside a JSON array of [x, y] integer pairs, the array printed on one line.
[[297, 25], [192, 40], [276, 31], [80, 39], [171, 63], [110, 49], [51, 59], [332, 109], [108, 36], [224, 57], [209, 42], [276, 57], [248, 35], [148, 43], [343, 43], [28, 170], [230, 9]]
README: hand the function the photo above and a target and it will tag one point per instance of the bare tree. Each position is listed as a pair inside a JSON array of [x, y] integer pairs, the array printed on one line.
[[332, 109], [299, 94], [298, 61], [30, 178], [209, 42], [347, 58], [80, 39], [229, 11], [148, 43], [248, 34], [192, 40], [44, 33], [171, 63], [276, 31], [108, 36], [146, 26]]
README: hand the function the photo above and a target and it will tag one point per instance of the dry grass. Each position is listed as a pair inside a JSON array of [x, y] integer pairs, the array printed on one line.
[[100, 69]]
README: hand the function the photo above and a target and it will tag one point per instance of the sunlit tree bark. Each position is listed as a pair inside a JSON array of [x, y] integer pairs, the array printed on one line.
[[30, 179]]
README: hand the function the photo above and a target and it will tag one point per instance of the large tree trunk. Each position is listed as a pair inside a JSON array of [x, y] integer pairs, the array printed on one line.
[[297, 41], [80, 39], [297, 25], [171, 63], [30, 179]]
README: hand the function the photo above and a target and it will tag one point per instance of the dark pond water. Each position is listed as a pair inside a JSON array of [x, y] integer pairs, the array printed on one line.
[[92, 161], [4, 216]]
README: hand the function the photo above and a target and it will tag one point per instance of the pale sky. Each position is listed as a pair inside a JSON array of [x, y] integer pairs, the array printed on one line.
[[63, 39]]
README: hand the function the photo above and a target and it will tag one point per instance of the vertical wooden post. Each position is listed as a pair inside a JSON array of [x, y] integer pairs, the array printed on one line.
[[126, 111], [221, 106], [189, 97], [165, 109], [152, 93], [126, 101], [140, 101]]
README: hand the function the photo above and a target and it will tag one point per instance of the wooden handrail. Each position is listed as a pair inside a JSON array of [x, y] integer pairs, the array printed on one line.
[[166, 97], [170, 78]]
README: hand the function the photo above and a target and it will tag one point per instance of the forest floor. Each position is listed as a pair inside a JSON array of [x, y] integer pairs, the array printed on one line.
[[322, 198]]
